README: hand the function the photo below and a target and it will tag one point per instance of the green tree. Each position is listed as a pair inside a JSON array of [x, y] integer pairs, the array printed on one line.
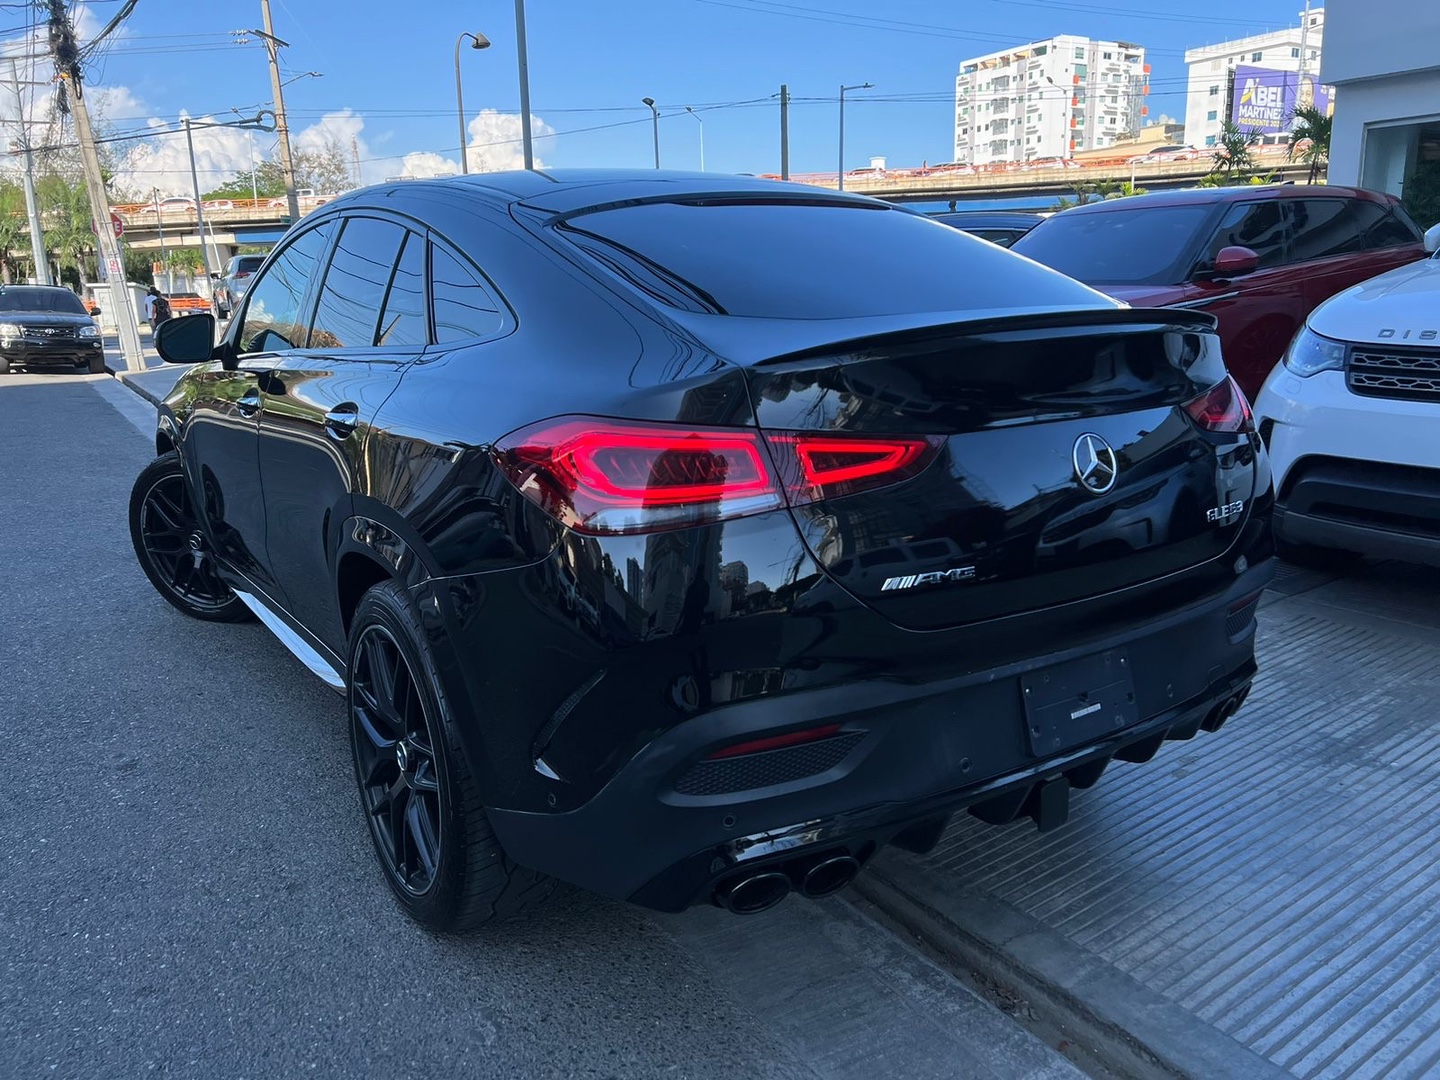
[[14, 232], [1088, 191], [1422, 194], [326, 171], [1310, 139], [1233, 161]]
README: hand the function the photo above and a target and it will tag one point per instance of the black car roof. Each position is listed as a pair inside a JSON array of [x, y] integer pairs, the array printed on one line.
[[570, 190], [992, 219]]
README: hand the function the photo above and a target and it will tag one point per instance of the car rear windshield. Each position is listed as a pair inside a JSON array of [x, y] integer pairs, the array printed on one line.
[[249, 265], [1144, 245], [792, 260], [58, 301]]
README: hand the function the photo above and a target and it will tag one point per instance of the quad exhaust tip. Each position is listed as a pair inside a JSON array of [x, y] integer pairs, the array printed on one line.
[[754, 894], [829, 876]]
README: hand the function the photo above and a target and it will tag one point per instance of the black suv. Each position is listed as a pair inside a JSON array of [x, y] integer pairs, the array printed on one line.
[[231, 285], [690, 538], [46, 326]]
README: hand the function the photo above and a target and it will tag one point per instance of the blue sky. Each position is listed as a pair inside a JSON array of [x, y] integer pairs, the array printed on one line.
[[391, 65]]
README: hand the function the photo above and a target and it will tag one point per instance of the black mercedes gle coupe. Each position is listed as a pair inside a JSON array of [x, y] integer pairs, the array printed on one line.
[[690, 538]]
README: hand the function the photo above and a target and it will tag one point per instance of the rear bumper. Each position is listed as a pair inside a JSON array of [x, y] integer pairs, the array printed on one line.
[[904, 757]]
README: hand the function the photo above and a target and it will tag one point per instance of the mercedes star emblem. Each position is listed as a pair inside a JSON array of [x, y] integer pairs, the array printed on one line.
[[1095, 464]]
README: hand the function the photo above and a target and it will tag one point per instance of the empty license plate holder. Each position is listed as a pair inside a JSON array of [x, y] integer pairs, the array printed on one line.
[[1078, 701]]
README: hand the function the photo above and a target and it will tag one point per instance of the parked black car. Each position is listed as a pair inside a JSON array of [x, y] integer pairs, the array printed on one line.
[[46, 326], [1001, 227], [691, 537]]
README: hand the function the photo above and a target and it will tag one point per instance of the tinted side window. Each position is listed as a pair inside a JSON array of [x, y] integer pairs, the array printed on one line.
[[1264, 227], [1391, 231], [1326, 227], [403, 320], [355, 284], [464, 306], [273, 317]]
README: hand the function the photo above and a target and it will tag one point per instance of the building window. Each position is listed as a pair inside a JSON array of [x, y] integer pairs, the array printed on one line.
[[1211, 115], [1214, 91], [1295, 54], [1209, 140], [1107, 56], [1079, 54], [1214, 65], [1256, 57]]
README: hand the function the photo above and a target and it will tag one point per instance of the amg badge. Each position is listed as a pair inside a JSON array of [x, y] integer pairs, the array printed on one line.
[[935, 577], [1229, 510]]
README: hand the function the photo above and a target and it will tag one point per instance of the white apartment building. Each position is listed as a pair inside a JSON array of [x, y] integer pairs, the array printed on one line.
[[1210, 87], [1049, 99]]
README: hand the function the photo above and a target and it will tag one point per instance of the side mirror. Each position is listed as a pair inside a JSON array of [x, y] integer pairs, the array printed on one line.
[[94, 311], [186, 341], [1432, 238], [1235, 261], [214, 276]]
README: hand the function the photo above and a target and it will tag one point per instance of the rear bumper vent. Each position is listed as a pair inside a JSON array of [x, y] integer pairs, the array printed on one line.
[[749, 771], [1407, 374]]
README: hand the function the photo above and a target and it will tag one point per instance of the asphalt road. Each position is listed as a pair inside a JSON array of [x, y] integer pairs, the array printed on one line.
[[187, 888]]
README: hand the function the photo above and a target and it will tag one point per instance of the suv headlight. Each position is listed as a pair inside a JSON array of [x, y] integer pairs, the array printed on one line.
[[91, 331], [10, 333], [1309, 354]]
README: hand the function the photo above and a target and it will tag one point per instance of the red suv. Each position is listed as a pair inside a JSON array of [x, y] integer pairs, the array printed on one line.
[[1257, 258]]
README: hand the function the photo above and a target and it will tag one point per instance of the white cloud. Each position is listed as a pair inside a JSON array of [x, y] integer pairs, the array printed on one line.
[[221, 153], [337, 127], [423, 164], [495, 141]]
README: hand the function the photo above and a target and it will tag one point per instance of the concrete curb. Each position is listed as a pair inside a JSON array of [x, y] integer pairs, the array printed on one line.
[[123, 377], [1134, 1030]]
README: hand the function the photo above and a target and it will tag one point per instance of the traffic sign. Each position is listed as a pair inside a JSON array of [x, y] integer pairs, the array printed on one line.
[[115, 223]]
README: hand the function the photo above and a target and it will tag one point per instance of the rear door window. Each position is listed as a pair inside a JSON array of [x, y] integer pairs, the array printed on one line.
[[355, 284], [1327, 227], [1150, 245], [1263, 227], [403, 320], [1392, 230], [275, 316], [794, 260]]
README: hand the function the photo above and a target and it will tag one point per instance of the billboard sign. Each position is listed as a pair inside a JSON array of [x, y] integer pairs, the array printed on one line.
[[1265, 100]]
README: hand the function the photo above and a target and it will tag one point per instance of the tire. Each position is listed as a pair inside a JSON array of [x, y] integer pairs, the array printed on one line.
[[422, 804], [165, 532], [97, 365]]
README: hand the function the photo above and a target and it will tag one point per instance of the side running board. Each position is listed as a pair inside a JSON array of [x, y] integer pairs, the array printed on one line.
[[294, 642]]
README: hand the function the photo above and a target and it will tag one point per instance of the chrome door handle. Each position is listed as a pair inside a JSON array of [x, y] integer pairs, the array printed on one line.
[[341, 421], [249, 404]]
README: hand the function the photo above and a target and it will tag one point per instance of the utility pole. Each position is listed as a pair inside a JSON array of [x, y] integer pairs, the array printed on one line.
[[32, 209], [1304, 42], [784, 132], [282, 127], [199, 211], [355, 151], [67, 63], [160, 228]]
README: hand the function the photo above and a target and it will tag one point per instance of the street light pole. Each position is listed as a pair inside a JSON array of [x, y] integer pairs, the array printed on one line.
[[523, 62], [32, 209], [195, 181], [693, 113], [282, 127], [840, 175], [160, 228], [655, 123], [477, 41]]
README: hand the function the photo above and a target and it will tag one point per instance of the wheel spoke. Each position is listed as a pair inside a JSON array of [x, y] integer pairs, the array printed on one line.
[[424, 778], [421, 837], [381, 669]]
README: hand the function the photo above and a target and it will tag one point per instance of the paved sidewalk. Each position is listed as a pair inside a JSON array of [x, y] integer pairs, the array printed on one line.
[[1263, 899]]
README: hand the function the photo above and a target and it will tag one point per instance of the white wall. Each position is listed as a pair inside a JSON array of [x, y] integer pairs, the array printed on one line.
[[1372, 144], [1369, 38]]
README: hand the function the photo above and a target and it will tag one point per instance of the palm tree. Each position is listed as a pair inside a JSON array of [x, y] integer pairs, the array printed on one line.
[[1310, 138], [1233, 161]]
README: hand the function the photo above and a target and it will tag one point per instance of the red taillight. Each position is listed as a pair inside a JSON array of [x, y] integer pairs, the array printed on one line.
[[613, 476], [1222, 408], [776, 742]]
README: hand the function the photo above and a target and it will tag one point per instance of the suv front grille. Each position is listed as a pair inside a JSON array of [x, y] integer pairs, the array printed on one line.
[[1409, 374], [50, 331]]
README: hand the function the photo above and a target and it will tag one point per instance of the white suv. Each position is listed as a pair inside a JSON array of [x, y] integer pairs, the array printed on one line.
[[1352, 421]]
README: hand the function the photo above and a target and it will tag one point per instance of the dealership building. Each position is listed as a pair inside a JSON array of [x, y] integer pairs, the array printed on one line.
[[1254, 80], [1384, 61]]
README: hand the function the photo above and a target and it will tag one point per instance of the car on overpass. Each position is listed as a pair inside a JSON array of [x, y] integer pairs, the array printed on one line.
[[1258, 258], [1351, 419], [657, 550]]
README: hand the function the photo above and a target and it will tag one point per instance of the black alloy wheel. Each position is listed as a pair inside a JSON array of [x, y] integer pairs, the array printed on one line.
[[395, 761], [172, 548], [423, 805]]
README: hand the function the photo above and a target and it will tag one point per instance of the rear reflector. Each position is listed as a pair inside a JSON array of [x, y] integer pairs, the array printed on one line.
[[775, 742], [604, 476], [1222, 408]]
